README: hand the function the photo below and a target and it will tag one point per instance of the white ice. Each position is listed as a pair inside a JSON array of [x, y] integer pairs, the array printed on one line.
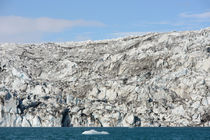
[[94, 132]]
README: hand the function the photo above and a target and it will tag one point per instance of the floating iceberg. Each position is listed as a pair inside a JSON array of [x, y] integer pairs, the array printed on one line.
[[94, 132]]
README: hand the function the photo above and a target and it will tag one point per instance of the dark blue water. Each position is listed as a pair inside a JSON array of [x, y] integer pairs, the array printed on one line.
[[114, 134]]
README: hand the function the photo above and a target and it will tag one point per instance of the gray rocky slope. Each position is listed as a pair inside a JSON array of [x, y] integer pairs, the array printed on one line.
[[158, 79]]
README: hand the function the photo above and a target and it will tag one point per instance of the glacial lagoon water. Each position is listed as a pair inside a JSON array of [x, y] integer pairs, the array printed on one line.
[[145, 133]]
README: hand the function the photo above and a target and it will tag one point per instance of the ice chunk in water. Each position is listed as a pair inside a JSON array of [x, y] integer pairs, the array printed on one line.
[[94, 132]]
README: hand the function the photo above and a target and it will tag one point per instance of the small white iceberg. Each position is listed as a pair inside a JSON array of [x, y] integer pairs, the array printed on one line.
[[94, 132]]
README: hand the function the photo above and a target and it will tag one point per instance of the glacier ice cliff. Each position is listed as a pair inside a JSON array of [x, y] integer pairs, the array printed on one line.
[[157, 79]]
